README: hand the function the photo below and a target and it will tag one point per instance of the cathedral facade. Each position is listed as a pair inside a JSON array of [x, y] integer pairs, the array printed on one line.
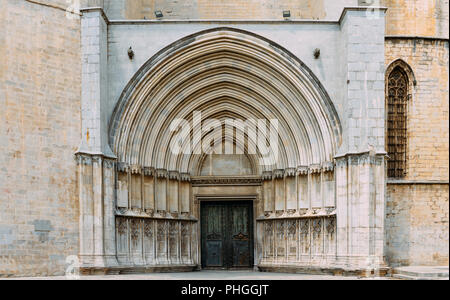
[[283, 136]]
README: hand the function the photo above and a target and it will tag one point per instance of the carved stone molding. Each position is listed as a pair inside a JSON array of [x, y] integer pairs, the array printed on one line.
[[91, 158], [278, 174], [136, 169], [360, 159], [109, 163], [161, 173], [149, 171], [97, 159], [148, 229], [290, 172], [267, 175], [159, 215], [330, 225], [174, 175], [302, 170], [121, 224], [298, 214], [135, 229], [341, 162], [291, 212], [328, 166], [317, 226], [315, 169], [84, 159], [184, 229], [208, 181], [185, 177], [123, 167]]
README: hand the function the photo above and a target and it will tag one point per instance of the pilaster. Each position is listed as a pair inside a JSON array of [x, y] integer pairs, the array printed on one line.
[[94, 96], [360, 182], [97, 205]]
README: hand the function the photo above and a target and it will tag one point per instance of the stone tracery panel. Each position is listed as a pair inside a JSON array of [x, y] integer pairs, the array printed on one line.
[[146, 241], [299, 241], [397, 122]]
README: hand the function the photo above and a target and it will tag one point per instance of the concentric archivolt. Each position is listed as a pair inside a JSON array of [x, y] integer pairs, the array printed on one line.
[[224, 74]]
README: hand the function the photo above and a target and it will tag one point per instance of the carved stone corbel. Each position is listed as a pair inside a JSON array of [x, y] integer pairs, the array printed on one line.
[[83, 159], [161, 173], [328, 167], [174, 175], [290, 172], [302, 170], [185, 177], [149, 171], [136, 169], [315, 169], [123, 167], [267, 176], [278, 174]]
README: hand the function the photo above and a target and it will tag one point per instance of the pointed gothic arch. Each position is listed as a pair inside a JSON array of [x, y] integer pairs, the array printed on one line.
[[224, 73], [400, 80]]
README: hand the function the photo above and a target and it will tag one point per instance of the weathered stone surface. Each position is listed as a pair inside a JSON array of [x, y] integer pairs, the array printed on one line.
[[40, 89], [321, 209]]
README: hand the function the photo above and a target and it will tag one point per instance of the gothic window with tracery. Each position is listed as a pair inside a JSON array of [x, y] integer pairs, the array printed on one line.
[[396, 122]]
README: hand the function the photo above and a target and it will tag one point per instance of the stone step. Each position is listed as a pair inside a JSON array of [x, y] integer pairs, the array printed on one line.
[[421, 273], [406, 277]]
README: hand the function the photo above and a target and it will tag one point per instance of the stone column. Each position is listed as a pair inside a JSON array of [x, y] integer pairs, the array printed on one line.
[[291, 190], [268, 192], [279, 189], [97, 211], [161, 190], [173, 192], [360, 163], [302, 178], [149, 189], [109, 208], [185, 194], [94, 95], [96, 160], [360, 182], [85, 183]]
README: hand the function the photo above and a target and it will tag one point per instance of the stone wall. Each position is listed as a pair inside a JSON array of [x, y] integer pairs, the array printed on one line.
[[417, 214], [225, 9], [417, 224], [428, 145], [417, 17], [40, 130], [40, 92]]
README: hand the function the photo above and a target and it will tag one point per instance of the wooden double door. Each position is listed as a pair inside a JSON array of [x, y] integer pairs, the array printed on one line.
[[227, 234]]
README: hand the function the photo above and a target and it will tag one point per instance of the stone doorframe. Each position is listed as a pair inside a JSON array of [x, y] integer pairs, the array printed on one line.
[[349, 157], [225, 198]]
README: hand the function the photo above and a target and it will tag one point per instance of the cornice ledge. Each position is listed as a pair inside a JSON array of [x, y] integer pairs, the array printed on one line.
[[95, 154], [94, 9], [225, 180], [364, 152], [360, 8]]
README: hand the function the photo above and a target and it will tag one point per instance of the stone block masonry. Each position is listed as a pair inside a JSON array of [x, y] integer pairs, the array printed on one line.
[[417, 225], [417, 205], [40, 88]]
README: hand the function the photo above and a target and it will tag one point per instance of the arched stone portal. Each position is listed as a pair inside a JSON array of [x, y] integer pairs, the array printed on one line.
[[224, 75]]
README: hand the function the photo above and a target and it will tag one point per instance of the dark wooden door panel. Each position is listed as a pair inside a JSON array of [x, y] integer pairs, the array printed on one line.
[[241, 254], [214, 256], [240, 234], [213, 235], [227, 234]]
